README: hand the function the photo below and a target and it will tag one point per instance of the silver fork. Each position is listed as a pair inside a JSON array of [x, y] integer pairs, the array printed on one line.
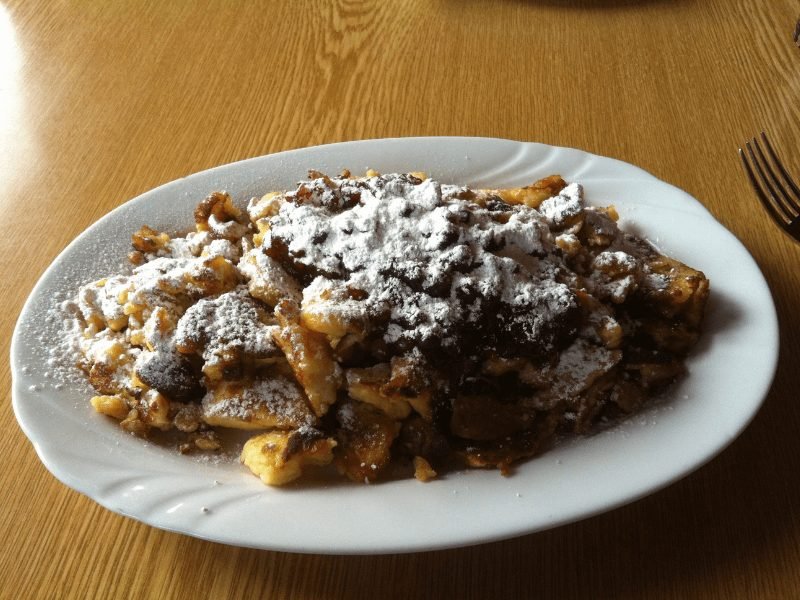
[[779, 195]]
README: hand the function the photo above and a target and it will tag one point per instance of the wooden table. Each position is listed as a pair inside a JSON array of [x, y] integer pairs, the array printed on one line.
[[98, 104]]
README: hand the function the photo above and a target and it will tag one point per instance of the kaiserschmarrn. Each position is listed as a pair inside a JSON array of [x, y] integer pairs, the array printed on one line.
[[389, 325]]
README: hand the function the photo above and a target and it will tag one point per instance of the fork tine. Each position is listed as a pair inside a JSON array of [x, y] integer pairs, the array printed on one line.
[[767, 188], [786, 177], [763, 198], [779, 194]]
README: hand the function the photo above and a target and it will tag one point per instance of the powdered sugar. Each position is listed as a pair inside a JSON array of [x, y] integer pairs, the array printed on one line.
[[190, 246], [615, 274], [579, 366], [224, 248], [426, 264], [225, 326], [278, 396], [567, 205], [158, 282], [268, 280], [232, 230]]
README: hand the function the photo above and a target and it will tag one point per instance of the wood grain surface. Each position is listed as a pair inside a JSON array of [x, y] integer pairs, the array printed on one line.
[[102, 101]]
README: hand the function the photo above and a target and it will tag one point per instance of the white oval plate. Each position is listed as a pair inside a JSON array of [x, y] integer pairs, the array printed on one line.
[[730, 373]]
